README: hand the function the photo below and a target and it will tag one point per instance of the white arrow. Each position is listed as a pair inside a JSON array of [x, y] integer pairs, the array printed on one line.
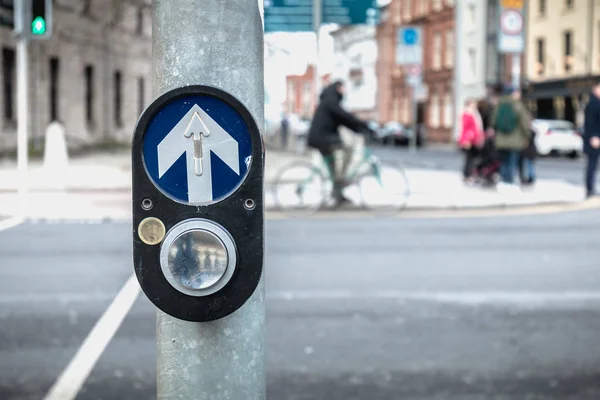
[[216, 140], [197, 129]]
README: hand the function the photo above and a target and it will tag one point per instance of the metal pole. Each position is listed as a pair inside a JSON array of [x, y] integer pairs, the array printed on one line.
[[516, 71], [413, 139], [317, 15], [218, 43], [22, 110]]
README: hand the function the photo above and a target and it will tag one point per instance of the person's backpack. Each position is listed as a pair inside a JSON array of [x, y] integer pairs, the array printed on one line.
[[507, 119]]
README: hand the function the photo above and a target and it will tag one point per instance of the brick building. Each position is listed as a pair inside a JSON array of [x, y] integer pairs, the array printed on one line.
[[300, 92], [93, 75], [436, 17]]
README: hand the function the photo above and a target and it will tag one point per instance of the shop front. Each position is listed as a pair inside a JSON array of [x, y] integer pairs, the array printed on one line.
[[560, 99]]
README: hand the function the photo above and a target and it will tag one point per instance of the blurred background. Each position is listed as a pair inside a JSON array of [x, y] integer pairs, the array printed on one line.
[[466, 292]]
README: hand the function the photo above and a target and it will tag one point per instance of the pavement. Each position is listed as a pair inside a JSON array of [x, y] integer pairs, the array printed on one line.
[[496, 308], [99, 185]]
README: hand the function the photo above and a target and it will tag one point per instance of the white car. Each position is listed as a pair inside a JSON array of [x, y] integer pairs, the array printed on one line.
[[557, 136]]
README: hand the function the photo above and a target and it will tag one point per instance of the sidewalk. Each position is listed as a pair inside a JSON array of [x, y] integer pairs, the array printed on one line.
[[102, 182]]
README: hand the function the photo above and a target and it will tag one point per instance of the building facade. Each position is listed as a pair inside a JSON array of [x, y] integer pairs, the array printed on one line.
[[301, 98], [439, 59], [471, 49], [355, 59], [93, 75], [563, 57], [435, 103]]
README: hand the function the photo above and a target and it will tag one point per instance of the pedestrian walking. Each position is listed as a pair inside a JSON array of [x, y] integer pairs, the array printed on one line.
[[471, 138], [591, 139], [510, 122]]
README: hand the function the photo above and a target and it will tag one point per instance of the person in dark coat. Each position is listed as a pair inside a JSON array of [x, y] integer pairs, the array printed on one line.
[[324, 134], [591, 139]]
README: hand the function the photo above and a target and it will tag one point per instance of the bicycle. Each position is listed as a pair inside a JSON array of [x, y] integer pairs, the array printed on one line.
[[303, 187]]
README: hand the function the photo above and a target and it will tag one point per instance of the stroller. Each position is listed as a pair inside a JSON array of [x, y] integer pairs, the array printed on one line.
[[488, 168]]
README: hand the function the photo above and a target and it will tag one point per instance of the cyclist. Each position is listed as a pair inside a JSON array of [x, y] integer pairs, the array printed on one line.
[[324, 134]]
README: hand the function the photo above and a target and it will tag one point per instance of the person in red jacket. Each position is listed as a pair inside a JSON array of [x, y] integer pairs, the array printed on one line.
[[471, 138]]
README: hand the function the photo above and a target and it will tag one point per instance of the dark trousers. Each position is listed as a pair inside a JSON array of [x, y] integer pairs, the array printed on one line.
[[470, 158], [526, 169], [590, 174], [509, 160]]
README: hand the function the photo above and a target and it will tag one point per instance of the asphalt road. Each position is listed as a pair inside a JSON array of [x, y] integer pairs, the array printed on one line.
[[453, 309], [563, 168]]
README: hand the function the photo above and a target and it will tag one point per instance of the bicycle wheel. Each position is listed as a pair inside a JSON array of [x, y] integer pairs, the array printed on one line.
[[300, 188], [384, 188]]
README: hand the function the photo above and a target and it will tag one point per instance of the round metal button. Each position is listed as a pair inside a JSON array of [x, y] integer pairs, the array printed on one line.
[[198, 257]]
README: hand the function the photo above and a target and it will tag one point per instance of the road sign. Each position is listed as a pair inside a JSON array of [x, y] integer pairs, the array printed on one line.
[[409, 48], [297, 15], [197, 193], [190, 156], [288, 15], [350, 12], [510, 37]]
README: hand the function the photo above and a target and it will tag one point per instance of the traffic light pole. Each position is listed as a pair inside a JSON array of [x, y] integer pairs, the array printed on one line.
[[217, 43], [22, 107]]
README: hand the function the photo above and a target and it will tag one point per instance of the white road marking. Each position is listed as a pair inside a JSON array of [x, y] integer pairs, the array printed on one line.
[[10, 223], [73, 377], [464, 298], [46, 298]]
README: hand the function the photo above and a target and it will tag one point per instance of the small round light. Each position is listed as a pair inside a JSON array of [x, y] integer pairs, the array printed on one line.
[[151, 231]]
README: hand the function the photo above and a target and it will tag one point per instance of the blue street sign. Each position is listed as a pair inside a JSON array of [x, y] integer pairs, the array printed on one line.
[[197, 149], [410, 36], [297, 15], [288, 15]]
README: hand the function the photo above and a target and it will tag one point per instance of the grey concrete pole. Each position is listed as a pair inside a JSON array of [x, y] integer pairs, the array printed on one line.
[[217, 43], [317, 21]]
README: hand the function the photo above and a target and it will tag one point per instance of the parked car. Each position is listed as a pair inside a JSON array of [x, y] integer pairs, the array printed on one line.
[[394, 133], [557, 136]]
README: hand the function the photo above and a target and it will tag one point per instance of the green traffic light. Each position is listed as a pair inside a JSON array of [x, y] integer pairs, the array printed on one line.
[[38, 26]]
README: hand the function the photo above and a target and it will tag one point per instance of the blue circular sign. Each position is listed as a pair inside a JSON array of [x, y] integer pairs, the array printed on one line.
[[197, 149], [410, 36]]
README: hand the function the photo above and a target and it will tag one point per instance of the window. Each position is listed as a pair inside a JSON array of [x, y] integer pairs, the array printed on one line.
[[406, 110], [448, 111], [406, 13], [291, 95], [396, 109], [139, 29], [568, 50], [471, 17], [434, 111], [437, 51], [117, 92], [8, 72], [89, 93], [306, 98], [141, 94], [449, 48], [542, 7], [54, 83], [541, 52]]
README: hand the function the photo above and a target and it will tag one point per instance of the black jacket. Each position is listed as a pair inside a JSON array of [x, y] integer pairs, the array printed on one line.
[[591, 126], [329, 117]]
